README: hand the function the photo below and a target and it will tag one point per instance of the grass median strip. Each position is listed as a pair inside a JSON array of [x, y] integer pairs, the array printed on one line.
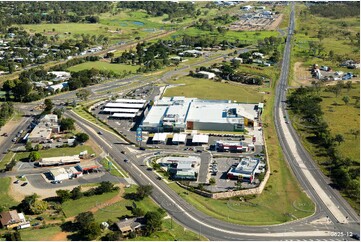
[[115, 169]]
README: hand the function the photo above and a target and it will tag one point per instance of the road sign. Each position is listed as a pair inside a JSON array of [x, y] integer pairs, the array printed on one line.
[[110, 165], [139, 134]]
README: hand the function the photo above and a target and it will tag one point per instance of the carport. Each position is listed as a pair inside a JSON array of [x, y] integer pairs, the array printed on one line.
[[179, 138], [160, 137], [200, 138]]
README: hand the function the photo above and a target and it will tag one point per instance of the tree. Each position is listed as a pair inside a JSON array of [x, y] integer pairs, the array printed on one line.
[[143, 191], [212, 181], [38, 206], [38, 147], [48, 105], [346, 99], [153, 222], [82, 137], [355, 133], [28, 146], [76, 193], [63, 195], [34, 156], [91, 231], [83, 94], [58, 112], [348, 85], [112, 236], [339, 138], [104, 187], [138, 212], [67, 124], [84, 219]]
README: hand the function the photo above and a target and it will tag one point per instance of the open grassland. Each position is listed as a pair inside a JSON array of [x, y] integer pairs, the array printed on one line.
[[336, 113], [334, 35], [106, 66], [250, 37], [5, 200], [54, 152], [341, 119], [74, 207], [6, 159], [272, 207], [209, 89], [37, 234]]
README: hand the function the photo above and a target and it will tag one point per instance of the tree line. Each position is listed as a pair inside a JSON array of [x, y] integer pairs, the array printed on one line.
[[154, 8], [337, 9], [51, 12], [343, 171]]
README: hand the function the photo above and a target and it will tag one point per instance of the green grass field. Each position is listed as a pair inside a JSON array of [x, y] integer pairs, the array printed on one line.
[[56, 152], [269, 208], [74, 207], [33, 234], [209, 89], [113, 171], [5, 200], [101, 65], [336, 114]]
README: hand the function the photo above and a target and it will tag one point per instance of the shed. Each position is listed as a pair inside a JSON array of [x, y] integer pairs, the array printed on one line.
[[160, 137], [179, 138], [200, 138]]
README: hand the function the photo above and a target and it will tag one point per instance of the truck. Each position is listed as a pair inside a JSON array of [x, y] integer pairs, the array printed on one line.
[[23, 226]]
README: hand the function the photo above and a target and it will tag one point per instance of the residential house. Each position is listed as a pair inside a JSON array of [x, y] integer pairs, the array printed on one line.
[[11, 219], [128, 225]]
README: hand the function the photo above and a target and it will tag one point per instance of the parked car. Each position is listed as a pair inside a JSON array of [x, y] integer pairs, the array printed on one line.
[[16, 182], [125, 160], [14, 139], [100, 132], [24, 184], [149, 169]]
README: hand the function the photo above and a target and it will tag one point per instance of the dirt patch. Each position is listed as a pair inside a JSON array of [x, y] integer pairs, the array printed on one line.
[[61, 236], [17, 196], [275, 23], [301, 76]]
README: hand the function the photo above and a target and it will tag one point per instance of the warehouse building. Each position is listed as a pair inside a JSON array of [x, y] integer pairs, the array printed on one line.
[[60, 160], [177, 114]]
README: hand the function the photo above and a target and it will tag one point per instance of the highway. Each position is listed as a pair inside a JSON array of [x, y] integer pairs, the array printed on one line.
[[311, 178], [300, 161]]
